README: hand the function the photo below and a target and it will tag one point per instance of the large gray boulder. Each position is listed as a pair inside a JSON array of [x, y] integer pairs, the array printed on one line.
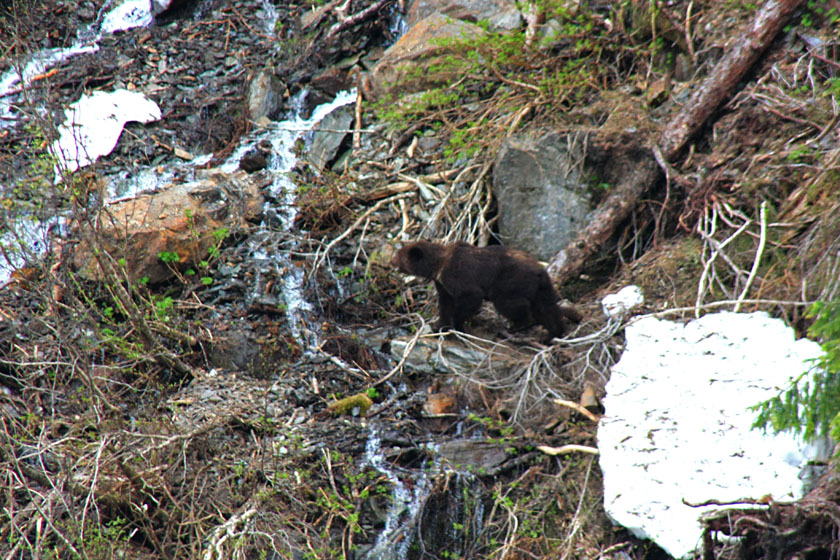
[[265, 96], [541, 192]]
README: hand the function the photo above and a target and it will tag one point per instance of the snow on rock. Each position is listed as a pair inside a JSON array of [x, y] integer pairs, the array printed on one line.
[[618, 304], [677, 425], [94, 123], [127, 15]]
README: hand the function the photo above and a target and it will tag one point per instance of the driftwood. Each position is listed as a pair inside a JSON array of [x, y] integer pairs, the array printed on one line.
[[717, 87]]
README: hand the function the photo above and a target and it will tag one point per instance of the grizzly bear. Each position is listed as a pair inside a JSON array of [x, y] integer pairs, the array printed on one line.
[[465, 275]]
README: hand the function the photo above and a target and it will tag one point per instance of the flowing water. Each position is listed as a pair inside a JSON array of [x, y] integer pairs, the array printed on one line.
[[283, 136], [397, 537]]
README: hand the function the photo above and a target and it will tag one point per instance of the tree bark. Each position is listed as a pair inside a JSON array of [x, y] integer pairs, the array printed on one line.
[[714, 90]]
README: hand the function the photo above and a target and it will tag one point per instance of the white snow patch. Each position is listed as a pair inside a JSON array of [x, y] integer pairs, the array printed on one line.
[[94, 124], [14, 79], [25, 241], [127, 15], [618, 304], [677, 425]]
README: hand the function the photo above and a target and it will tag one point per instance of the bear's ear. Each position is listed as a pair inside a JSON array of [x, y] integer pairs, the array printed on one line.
[[415, 253]]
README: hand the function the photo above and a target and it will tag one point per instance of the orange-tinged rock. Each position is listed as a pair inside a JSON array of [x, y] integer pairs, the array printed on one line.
[[440, 403], [184, 219]]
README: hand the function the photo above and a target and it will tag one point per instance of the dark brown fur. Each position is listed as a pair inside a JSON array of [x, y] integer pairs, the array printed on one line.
[[465, 275]]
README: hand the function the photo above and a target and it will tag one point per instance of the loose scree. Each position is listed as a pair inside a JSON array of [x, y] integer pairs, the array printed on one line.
[[465, 275]]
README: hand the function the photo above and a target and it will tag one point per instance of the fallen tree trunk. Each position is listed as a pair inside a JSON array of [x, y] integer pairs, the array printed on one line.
[[717, 87]]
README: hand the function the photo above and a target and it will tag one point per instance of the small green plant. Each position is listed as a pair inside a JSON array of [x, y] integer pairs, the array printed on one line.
[[343, 503], [832, 87], [169, 257], [811, 405], [163, 307], [40, 167], [799, 153], [172, 258]]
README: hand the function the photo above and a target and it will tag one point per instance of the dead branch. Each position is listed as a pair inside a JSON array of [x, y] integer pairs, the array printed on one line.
[[617, 206], [570, 448], [355, 19], [577, 408], [717, 87]]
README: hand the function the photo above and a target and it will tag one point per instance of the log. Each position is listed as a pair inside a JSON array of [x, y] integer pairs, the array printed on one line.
[[723, 80], [714, 90]]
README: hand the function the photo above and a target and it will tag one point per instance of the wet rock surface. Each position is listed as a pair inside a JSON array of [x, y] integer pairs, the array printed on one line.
[[184, 221]]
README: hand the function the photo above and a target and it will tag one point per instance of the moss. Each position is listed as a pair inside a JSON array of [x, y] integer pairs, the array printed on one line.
[[348, 405]]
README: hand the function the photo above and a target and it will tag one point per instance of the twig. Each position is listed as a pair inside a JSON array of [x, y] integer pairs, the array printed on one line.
[[515, 82], [745, 501], [32, 80], [570, 448], [319, 260], [758, 254], [666, 168], [701, 286], [721, 303], [576, 407], [576, 519], [405, 221], [406, 353], [827, 129], [357, 132], [328, 461], [521, 114], [354, 19], [226, 530], [688, 40]]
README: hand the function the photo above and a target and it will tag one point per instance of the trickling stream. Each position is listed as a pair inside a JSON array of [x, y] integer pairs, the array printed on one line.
[[282, 136], [394, 540]]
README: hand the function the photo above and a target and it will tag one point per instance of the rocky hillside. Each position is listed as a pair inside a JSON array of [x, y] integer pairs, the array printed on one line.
[[205, 350]]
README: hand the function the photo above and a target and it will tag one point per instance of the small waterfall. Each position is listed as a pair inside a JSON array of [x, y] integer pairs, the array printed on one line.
[[397, 26], [440, 509], [282, 136], [271, 16], [398, 535]]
